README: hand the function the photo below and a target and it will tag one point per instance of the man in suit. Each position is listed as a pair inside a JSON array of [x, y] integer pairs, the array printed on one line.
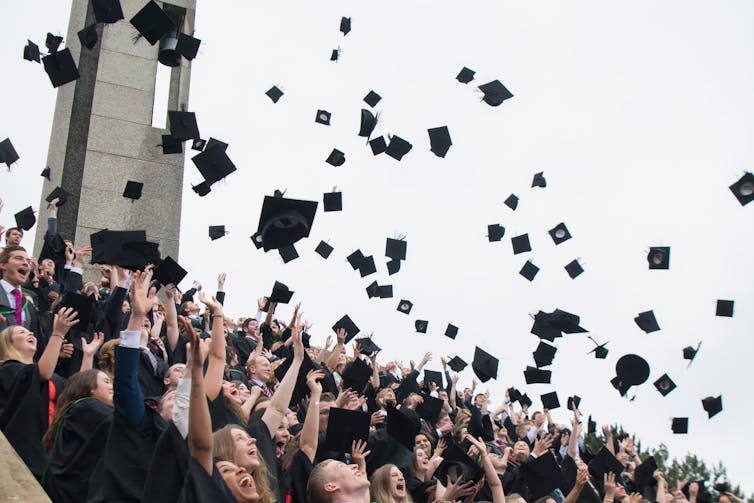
[[15, 308]]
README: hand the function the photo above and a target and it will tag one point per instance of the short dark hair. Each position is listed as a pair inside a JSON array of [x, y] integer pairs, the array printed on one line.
[[7, 233], [5, 254]]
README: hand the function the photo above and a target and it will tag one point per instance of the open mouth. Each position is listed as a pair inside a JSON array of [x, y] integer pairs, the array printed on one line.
[[23, 271], [251, 452], [246, 481]]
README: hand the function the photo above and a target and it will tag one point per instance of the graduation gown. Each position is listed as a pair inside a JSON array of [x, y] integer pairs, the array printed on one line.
[[168, 469], [201, 487]]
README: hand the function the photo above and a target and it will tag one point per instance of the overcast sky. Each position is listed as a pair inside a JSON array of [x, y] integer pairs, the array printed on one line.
[[639, 114]]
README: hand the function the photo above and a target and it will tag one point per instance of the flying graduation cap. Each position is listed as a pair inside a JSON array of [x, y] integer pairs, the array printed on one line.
[[152, 22], [88, 36], [31, 51], [217, 232], [743, 189], [494, 93], [284, 221], [713, 405], [274, 93], [484, 365], [367, 123], [647, 322], [659, 257], [495, 232], [511, 202], [8, 154], [539, 180], [345, 25], [288, 253], [398, 147], [133, 190], [372, 98], [689, 352], [465, 76], [187, 46], [529, 270], [107, 11], [25, 218], [439, 140], [60, 67], [600, 351]]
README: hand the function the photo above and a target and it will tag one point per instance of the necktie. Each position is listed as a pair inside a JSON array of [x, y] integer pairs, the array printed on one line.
[[19, 306]]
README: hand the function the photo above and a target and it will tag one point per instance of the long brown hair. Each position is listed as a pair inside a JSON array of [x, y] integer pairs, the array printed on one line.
[[224, 447], [379, 488], [79, 385]]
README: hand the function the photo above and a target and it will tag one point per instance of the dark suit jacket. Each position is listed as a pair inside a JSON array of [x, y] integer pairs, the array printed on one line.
[[31, 319]]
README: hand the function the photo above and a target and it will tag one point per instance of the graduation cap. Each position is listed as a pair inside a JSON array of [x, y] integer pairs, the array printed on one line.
[[724, 308], [664, 384], [431, 407], [350, 327], [107, 11], [333, 201], [647, 322], [534, 375], [280, 293], [393, 266], [216, 231], [171, 145], [439, 140], [355, 375], [529, 270], [457, 463], [169, 272], [284, 221], [60, 67], [8, 154], [495, 232], [591, 426], [373, 289], [573, 401], [630, 370], [288, 253], [511, 201], [378, 145], [398, 147], [680, 425], [494, 93], [45, 173], [183, 125], [367, 345], [323, 117], [84, 305], [187, 46], [213, 163], [25, 218], [344, 426], [202, 189], [396, 248], [604, 462], [433, 376], [385, 291], [689, 352], [197, 144], [550, 400], [457, 364], [539, 180], [88, 36], [214, 142], [335, 54], [520, 244], [405, 306], [324, 250], [52, 42], [451, 331], [560, 320], [403, 425], [336, 158], [367, 123], [345, 25], [355, 259], [133, 190], [31, 51], [58, 193], [465, 76], [484, 365], [367, 266], [421, 326], [544, 354], [743, 189], [712, 405], [274, 93], [301, 389], [559, 233], [542, 476], [525, 401], [659, 257], [152, 22], [600, 351], [573, 268], [372, 98]]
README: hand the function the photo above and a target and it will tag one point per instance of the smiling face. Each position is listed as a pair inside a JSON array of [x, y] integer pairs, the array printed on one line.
[[261, 369], [397, 484], [16, 269], [282, 436], [238, 480], [421, 441], [104, 390], [246, 449], [24, 342], [421, 459]]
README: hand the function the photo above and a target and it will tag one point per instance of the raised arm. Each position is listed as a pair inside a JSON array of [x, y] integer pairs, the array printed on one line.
[[375, 379], [581, 478], [573, 441], [171, 317], [216, 366], [64, 320], [493, 481], [282, 397], [90, 349], [310, 431], [332, 360], [200, 424]]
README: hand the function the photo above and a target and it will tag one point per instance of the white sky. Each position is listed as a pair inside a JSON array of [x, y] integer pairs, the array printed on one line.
[[640, 114]]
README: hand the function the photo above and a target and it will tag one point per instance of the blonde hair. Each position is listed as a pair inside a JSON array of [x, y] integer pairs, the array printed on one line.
[[380, 486], [224, 448], [106, 361], [7, 351]]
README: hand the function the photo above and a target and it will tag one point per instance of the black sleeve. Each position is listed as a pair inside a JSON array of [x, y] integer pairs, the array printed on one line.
[[220, 297], [113, 312]]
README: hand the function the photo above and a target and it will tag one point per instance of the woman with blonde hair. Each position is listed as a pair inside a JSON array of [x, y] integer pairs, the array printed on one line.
[[389, 486]]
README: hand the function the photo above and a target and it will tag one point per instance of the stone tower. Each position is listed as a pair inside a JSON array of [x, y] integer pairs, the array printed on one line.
[[102, 132]]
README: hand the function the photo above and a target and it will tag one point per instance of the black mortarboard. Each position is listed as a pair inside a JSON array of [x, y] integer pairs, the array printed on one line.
[[31, 51], [456, 463], [198, 144], [451, 331], [743, 189], [213, 163], [288, 253], [564, 321], [643, 474], [169, 272], [647, 321], [88, 36], [344, 426], [107, 11], [323, 117], [421, 326], [659, 257], [574, 400], [216, 231], [58, 193], [8, 154], [511, 201], [202, 189], [544, 354], [439, 140], [573, 268], [335, 54], [600, 351], [396, 248], [393, 266], [378, 145], [398, 147], [280, 293], [367, 345], [336, 158], [542, 327], [724, 308], [355, 259], [432, 376], [533, 375], [301, 389], [183, 125], [480, 426], [484, 365], [539, 180], [529, 270], [513, 394], [350, 327], [550, 400], [171, 145], [82, 304], [60, 67], [274, 93], [133, 190], [689, 352], [542, 476], [431, 407], [52, 42], [494, 93], [604, 462], [680, 425], [323, 249], [284, 221], [712, 405], [457, 364], [107, 245], [495, 232], [333, 201], [367, 266], [187, 46], [355, 375], [25, 218], [525, 401], [152, 22], [405, 306], [632, 370], [385, 291], [53, 248], [559, 233], [46, 173], [591, 426], [367, 123], [465, 76], [345, 25], [403, 425], [214, 142], [372, 98], [373, 289], [520, 244], [664, 384]]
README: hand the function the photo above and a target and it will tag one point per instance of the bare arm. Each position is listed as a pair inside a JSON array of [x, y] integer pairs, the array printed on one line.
[[200, 424], [573, 442], [310, 431], [332, 360], [64, 320], [216, 365], [90, 349], [375, 372], [581, 478], [282, 397], [493, 481], [249, 404], [171, 317]]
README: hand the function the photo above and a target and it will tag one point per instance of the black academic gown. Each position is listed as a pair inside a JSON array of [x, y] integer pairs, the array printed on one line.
[[169, 468], [201, 487]]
